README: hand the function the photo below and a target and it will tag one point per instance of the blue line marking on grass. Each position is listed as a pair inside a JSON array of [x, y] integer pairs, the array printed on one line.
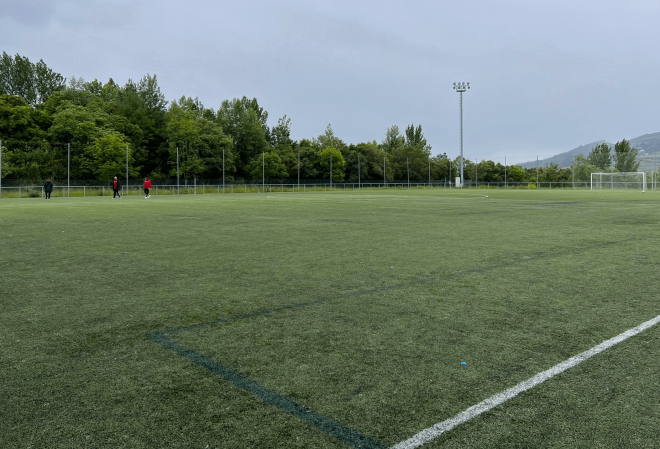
[[337, 430]]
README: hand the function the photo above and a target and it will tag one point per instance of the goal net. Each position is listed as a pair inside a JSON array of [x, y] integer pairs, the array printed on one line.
[[619, 181]]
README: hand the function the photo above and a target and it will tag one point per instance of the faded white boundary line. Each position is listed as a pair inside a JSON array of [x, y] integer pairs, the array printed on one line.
[[438, 429]]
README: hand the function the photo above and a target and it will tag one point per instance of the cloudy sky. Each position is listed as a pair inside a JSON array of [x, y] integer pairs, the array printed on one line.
[[546, 76]]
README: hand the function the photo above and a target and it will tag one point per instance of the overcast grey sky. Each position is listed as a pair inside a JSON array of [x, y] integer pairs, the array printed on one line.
[[546, 76]]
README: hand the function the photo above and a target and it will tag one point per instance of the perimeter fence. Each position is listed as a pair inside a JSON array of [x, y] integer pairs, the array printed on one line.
[[85, 189]]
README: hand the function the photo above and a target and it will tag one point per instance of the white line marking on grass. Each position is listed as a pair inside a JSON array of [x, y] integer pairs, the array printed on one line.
[[438, 429]]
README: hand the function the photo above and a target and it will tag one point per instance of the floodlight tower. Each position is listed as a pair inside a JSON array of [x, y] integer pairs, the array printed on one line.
[[460, 88]]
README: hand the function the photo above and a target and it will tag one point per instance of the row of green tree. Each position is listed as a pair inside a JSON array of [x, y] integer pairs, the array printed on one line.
[[43, 117]]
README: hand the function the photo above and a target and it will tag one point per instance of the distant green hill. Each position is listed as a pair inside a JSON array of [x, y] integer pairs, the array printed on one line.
[[648, 146]]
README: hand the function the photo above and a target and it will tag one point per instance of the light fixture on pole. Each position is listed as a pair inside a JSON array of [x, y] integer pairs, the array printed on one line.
[[460, 88]]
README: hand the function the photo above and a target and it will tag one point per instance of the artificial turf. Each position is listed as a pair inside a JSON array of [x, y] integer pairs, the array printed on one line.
[[357, 306]]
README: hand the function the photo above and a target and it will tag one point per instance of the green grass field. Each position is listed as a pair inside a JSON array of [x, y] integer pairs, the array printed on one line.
[[327, 319]]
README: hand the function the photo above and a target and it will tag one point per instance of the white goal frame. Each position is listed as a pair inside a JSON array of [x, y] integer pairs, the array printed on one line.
[[611, 181]]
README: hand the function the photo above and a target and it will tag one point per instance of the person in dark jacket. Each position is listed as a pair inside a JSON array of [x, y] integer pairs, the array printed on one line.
[[116, 185], [48, 188]]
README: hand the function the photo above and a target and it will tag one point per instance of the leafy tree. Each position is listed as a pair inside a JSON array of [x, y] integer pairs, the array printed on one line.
[[105, 157], [245, 122], [515, 173], [371, 162], [268, 165], [154, 125], [288, 157], [32, 82], [490, 171], [21, 125], [409, 157], [393, 139], [280, 139], [582, 169], [469, 168], [281, 133], [338, 163], [310, 162], [328, 139], [440, 168], [78, 126], [415, 138], [200, 140], [211, 142], [625, 157], [600, 157], [552, 173]]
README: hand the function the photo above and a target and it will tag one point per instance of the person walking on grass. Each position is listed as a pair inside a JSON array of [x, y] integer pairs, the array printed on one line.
[[147, 187], [48, 188], [116, 185]]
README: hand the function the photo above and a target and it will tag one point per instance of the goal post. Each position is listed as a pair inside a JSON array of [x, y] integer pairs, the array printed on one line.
[[619, 181]]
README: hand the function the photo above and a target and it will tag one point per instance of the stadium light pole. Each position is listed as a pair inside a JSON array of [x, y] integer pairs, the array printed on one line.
[[460, 88]]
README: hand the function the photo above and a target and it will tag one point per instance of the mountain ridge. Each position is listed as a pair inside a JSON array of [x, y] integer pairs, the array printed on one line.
[[647, 144]]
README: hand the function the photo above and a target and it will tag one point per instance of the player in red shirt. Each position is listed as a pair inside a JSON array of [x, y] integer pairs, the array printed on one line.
[[116, 185], [147, 187]]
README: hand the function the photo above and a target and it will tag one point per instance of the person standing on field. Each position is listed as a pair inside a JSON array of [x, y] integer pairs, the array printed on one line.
[[147, 187], [116, 185], [48, 188]]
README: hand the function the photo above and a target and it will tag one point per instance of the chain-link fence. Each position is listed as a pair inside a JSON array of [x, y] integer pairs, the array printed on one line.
[[79, 190]]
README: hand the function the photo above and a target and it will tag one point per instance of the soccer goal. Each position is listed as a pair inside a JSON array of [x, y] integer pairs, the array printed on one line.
[[619, 181]]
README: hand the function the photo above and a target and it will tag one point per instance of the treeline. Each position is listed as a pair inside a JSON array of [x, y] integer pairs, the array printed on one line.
[[603, 158], [42, 115]]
